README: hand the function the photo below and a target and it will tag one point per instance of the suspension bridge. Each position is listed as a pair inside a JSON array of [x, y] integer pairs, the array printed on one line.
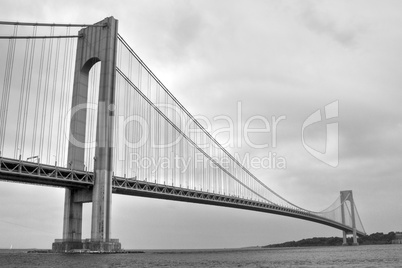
[[81, 110]]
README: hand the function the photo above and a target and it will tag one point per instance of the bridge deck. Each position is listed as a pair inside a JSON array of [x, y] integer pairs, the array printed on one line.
[[35, 173]]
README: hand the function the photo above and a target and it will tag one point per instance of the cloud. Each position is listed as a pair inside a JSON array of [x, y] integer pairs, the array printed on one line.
[[323, 23]]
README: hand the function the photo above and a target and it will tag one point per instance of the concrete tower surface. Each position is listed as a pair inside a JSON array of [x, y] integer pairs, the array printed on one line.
[[348, 196], [97, 43]]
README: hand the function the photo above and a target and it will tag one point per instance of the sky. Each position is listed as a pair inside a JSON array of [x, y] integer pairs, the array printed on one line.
[[278, 59]]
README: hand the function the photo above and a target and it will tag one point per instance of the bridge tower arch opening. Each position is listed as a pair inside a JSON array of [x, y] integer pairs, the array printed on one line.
[[96, 44]]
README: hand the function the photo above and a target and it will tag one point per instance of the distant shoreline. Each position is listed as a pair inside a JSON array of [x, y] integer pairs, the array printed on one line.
[[373, 239]]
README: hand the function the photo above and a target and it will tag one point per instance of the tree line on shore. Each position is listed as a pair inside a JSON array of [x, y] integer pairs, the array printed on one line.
[[372, 239]]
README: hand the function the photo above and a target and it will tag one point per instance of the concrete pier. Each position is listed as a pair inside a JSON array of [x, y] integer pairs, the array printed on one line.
[[63, 246]]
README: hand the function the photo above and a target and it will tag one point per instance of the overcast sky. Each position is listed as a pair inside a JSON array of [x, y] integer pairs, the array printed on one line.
[[278, 58]]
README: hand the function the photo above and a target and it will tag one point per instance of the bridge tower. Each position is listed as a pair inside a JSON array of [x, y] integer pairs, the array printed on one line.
[[97, 43], [348, 196]]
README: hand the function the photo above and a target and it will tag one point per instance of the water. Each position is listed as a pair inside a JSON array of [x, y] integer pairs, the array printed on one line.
[[361, 256]]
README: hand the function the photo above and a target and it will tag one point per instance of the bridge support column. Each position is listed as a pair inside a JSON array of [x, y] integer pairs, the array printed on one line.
[[102, 192], [72, 223], [344, 242], [95, 44], [348, 196]]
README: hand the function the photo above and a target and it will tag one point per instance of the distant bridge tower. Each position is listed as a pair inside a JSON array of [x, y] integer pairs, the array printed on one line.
[[348, 196], [97, 43]]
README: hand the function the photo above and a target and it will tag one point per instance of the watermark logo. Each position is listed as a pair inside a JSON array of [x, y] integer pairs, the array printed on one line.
[[133, 133], [330, 155], [191, 136]]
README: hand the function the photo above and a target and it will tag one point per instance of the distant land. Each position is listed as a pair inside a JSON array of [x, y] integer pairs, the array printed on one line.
[[373, 239]]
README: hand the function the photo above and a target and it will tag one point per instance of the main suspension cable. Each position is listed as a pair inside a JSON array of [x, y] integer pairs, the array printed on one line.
[[50, 24]]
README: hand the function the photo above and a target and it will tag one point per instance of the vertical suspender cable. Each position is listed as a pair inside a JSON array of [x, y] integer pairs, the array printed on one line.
[[62, 94], [118, 109], [6, 88], [45, 100], [90, 117], [158, 136], [21, 101], [141, 113], [166, 148], [38, 97], [28, 94], [150, 134], [54, 90], [68, 96], [126, 115]]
